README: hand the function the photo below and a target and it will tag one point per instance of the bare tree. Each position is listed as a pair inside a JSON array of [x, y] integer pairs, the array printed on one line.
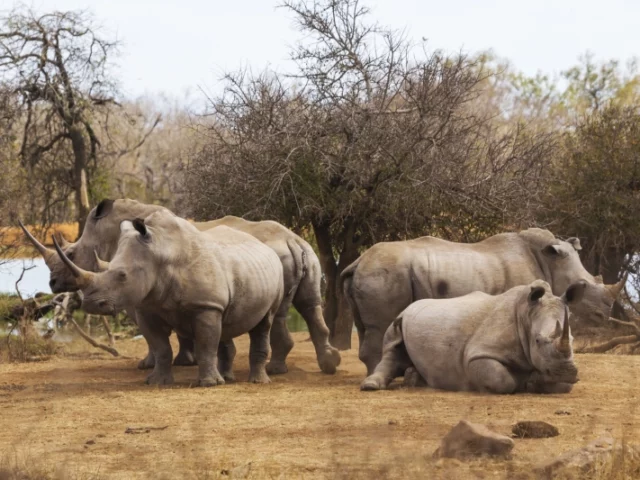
[[371, 139], [59, 66]]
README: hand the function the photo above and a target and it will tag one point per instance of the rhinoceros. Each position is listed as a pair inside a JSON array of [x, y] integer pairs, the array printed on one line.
[[391, 275], [209, 286], [301, 266], [514, 342]]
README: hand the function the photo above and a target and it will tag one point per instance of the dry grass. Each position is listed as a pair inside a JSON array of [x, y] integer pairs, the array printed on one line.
[[303, 425], [28, 346]]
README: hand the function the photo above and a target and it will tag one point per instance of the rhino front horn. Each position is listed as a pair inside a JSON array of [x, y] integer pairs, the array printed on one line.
[[564, 346], [44, 251], [83, 277], [616, 288]]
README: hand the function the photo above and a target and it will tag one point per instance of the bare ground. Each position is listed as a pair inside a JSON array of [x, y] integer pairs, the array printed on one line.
[[303, 425]]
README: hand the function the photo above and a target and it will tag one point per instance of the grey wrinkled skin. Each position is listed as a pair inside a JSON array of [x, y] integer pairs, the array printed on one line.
[[302, 281], [208, 286], [391, 275], [300, 263], [100, 239], [518, 341]]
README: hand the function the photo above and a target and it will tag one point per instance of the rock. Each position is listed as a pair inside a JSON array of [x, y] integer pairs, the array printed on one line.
[[562, 412], [393, 422], [534, 430], [90, 442], [581, 461], [468, 439]]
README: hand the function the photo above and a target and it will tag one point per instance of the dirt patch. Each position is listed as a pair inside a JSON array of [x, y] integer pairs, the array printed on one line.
[[73, 414]]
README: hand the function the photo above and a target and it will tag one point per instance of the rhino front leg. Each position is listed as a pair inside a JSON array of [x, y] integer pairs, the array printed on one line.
[[226, 354], [157, 335], [149, 361], [207, 326], [185, 355], [395, 360], [536, 384], [259, 350], [281, 341], [488, 375]]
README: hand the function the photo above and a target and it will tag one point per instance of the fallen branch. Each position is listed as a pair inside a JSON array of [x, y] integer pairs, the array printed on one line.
[[105, 322], [605, 347], [627, 324], [106, 348]]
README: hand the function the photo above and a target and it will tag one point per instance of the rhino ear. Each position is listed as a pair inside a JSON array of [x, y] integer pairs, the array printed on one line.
[[536, 294], [575, 242], [553, 251], [138, 224], [575, 292], [104, 208]]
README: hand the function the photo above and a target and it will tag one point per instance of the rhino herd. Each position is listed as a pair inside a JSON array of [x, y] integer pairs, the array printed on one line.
[[490, 316]]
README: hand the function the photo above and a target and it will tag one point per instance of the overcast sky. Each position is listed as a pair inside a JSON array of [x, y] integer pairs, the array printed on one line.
[[174, 46]]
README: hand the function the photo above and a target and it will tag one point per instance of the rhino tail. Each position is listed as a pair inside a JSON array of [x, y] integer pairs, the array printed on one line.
[[345, 285], [300, 264]]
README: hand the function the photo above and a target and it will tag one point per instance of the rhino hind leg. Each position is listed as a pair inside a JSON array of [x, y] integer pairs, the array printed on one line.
[[413, 379], [370, 352], [158, 338], [395, 361], [259, 350], [491, 376], [327, 355], [226, 354], [185, 355], [207, 330], [281, 342]]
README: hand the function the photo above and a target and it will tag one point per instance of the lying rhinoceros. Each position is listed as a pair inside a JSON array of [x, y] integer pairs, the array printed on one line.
[[302, 275], [514, 342], [210, 286], [391, 275]]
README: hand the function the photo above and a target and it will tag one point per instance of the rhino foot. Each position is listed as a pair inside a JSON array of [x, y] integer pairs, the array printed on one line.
[[156, 378], [229, 377], [147, 362], [276, 368], [372, 383], [211, 381], [260, 377], [413, 379], [329, 361], [184, 358]]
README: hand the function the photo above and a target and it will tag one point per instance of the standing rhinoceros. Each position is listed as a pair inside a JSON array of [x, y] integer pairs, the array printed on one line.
[[302, 275], [391, 275], [514, 342], [210, 286]]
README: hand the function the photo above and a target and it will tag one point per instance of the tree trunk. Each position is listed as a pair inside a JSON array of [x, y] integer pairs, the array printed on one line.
[[337, 313], [80, 177]]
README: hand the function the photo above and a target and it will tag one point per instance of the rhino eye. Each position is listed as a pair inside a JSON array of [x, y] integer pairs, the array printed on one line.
[[122, 276]]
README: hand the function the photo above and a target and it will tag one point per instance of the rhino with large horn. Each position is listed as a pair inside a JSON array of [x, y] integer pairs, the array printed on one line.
[[209, 286], [514, 342], [302, 275], [391, 275]]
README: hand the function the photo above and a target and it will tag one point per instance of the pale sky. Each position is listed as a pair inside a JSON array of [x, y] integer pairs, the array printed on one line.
[[174, 46]]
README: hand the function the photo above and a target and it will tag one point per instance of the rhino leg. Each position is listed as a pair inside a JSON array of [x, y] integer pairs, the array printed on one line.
[[536, 384], [370, 352], [413, 379], [395, 360], [226, 354], [149, 361], [328, 356], [259, 350], [157, 335], [488, 375], [207, 326], [185, 356], [281, 340]]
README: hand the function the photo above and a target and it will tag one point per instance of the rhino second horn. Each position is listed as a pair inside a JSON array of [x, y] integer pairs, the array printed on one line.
[[44, 251], [102, 265], [63, 241], [83, 277]]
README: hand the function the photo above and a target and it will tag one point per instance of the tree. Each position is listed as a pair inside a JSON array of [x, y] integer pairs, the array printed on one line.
[[59, 66], [370, 139]]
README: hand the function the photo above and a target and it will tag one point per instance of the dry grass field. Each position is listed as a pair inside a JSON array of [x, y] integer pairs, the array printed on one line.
[[68, 418]]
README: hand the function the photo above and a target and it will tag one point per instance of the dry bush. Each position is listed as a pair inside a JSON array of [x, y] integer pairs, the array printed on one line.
[[27, 346]]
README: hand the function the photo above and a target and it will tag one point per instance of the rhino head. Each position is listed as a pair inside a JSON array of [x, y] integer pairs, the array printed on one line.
[[99, 237], [562, 261], [126, 280], [546, 317]]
